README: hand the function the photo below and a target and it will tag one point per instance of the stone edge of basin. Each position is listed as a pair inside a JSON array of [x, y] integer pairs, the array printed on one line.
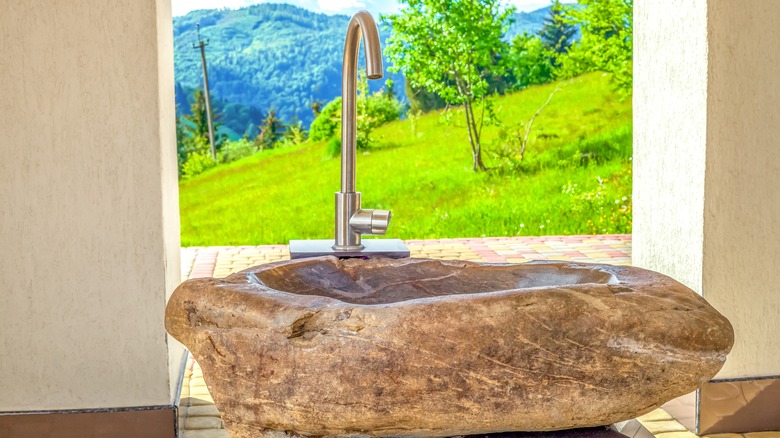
[[237, 322]]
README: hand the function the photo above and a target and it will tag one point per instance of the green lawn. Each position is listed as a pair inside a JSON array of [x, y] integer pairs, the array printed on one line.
[[575, 178]]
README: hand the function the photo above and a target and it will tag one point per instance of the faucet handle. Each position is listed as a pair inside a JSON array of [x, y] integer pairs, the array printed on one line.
[[366, 221]]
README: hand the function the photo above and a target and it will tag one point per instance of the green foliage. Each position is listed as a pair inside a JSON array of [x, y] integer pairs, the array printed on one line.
[[449, 47], [235, 150], [607, 41], [294, 135], [422, 100], [530, 61], [197, 163], [333, 148], [607, 205], [271, 131], [373, 110], [557, 34], [197, 125], [424, 180], [192, 137], [328, 121], [265, 56], [445, 46]]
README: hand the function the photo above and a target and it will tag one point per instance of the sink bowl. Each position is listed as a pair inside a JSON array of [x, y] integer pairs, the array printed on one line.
[[419, 347]]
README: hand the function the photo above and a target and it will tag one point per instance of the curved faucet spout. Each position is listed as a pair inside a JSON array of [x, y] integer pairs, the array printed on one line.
[[351, 219], [361, 23]]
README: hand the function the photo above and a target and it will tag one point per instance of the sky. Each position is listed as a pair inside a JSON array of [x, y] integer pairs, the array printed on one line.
[[181, 7]]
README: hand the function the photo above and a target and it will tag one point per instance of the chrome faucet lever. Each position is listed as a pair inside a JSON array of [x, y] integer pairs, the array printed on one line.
[[351, 220]]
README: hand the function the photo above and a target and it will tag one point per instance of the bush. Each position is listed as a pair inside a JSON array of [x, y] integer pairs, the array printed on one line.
[[235, 150], [293, 136], [530, 62], [373, 110], [333, 149], [328, 122], [197, 163]]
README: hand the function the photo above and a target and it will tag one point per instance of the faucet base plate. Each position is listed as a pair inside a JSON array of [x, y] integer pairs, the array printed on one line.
[[393, 248]]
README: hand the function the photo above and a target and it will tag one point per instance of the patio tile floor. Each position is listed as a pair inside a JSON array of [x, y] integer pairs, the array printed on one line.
[[199, 417]]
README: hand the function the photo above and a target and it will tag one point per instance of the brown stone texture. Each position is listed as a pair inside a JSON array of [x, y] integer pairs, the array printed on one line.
[[419, 347]]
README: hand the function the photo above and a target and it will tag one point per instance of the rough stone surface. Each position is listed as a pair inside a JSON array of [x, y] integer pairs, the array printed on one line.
[[417, 347]]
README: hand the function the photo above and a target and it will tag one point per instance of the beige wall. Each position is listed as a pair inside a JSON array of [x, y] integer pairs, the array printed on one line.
[[742, 180], [88, 204], [670, 129], [707, 171]]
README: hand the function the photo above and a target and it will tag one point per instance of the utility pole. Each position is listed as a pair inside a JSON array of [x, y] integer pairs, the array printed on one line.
[[202, 46]]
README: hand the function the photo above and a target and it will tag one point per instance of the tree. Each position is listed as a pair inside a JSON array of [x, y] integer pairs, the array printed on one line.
[[271, 131], [181, 143], [196, 125], [530, 61], [449, 47], [607, 40], [557, 34]]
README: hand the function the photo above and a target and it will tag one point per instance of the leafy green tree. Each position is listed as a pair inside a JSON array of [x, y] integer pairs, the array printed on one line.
[[607, 41], [448, 47], [558, 33], [197, 123], [530, 61], [271, 131]]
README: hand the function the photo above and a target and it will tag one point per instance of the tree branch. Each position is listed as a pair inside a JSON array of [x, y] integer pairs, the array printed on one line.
[[531, 122]]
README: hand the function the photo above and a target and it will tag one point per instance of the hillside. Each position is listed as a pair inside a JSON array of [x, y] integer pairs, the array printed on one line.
[[575, 179], [274, 56]]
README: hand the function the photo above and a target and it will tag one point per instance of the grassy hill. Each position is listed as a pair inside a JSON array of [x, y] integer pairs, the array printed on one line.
[[574, 179]]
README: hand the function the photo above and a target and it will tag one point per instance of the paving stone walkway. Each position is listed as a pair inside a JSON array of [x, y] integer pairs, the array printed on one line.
[[199, 417]]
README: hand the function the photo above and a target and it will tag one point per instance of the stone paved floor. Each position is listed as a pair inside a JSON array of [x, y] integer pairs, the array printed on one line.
[[199, 417]]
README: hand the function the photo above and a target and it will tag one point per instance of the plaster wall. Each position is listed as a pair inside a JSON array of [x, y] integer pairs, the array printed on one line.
[[741, 272], [707, 162], [670, 129], [88, 204]]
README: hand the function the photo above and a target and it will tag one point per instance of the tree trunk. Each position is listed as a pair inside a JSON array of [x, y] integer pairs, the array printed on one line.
[[476, 145]]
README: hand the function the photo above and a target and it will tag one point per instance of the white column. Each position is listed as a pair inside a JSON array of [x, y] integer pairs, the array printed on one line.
[[707, 161], [89, 227]]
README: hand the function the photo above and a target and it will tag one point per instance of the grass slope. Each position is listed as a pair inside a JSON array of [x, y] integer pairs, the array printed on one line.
[[575, 178]]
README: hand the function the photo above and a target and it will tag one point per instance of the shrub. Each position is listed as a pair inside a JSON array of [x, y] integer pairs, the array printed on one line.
[[333, 149], [197, 163], [235, 150], [293, 136], [328, 122], [373, 110]]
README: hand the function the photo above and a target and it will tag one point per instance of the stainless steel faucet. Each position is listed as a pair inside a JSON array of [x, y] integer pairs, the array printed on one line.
[[351, 220]]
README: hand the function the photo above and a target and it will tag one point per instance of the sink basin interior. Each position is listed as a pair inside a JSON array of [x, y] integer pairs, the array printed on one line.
[[382, 281]]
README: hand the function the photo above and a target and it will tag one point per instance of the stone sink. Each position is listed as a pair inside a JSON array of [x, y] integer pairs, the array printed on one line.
[[419, 347]]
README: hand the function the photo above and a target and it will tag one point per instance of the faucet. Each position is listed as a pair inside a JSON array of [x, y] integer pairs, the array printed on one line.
[[352, 221]]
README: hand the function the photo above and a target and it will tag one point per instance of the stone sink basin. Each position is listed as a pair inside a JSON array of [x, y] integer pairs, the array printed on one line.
[[418, 347]]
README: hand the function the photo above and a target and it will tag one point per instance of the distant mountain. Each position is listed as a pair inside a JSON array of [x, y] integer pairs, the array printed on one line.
[[530, 22], [274, 56]]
